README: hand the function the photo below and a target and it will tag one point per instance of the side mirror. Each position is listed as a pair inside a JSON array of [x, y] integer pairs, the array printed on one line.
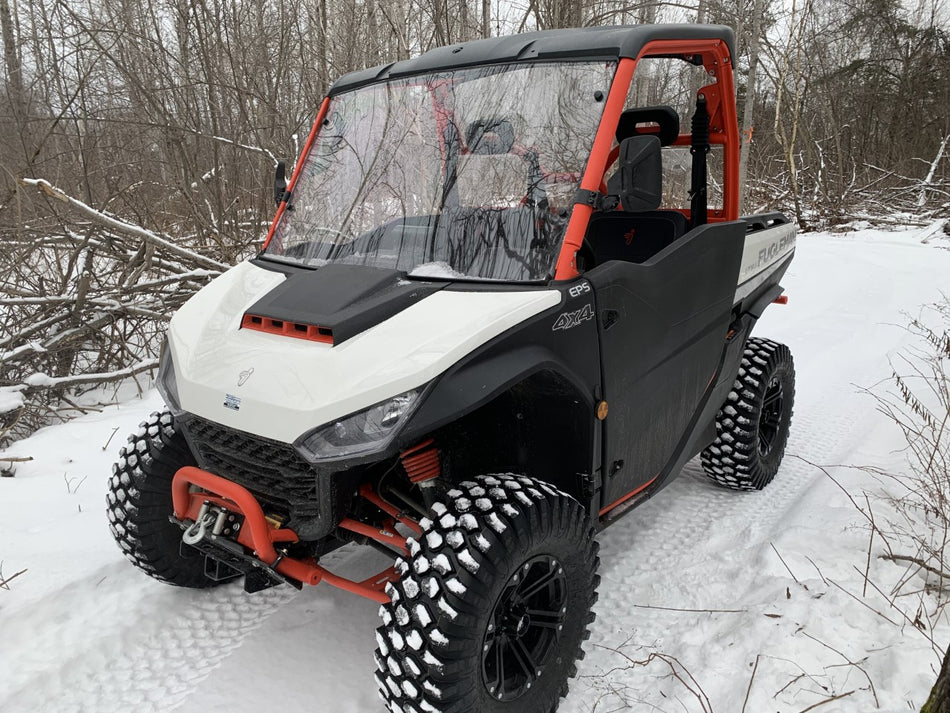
[[641, 173], [280, 182]]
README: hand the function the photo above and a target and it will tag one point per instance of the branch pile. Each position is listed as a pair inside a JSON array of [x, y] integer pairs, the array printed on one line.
[[85, 301]]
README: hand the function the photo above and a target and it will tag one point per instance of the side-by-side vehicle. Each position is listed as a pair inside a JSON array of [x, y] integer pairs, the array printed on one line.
[[507, 295]]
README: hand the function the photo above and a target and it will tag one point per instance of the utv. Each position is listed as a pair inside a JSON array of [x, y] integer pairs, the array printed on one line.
[[506, 296]]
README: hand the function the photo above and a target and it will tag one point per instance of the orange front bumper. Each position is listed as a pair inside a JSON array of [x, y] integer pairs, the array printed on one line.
[[193, 487]]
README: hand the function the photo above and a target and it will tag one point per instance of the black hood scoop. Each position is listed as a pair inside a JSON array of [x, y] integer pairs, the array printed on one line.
[[342, 299]]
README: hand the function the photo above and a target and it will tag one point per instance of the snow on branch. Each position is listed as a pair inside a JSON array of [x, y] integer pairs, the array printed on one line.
[[247, 147], [43, 381], [86, 307], [123, 227]]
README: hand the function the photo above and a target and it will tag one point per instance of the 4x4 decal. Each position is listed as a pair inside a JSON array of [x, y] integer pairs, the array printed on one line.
[[567, 320]]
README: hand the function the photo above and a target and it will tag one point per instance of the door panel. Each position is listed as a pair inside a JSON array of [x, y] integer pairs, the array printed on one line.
[[662, 326]]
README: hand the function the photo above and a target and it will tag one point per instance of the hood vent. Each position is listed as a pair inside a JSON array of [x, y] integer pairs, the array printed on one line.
[[286, 328]]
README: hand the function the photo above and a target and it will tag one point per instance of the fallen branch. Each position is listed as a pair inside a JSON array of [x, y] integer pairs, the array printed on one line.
[[43, 381], [751, 679], [128, 228], [828, 700], [693, 611], [4, 583], [920, 563]]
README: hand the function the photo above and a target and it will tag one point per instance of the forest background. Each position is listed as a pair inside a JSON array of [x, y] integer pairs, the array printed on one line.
[[138, 141]]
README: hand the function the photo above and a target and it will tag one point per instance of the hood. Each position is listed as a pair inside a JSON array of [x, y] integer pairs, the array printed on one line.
[[280, 387]]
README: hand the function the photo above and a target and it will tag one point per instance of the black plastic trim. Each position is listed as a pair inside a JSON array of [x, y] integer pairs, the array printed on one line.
[[346, 299], [588, 43]]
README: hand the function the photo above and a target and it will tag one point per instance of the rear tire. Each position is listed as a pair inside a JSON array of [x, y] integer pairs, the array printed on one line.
[[139, 503], [752, 426], [493, 604]]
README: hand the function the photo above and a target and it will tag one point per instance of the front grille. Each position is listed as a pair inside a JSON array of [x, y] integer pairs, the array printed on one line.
[[268, 468]]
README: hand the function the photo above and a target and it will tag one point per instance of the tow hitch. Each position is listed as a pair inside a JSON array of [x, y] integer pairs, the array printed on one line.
[[224, 521], [213, 534]]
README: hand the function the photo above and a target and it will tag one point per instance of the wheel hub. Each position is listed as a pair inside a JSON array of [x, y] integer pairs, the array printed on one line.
[[770, 420], [524, 628]]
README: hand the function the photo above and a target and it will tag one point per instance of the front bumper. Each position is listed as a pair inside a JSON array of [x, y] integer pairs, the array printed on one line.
[[200, 498]]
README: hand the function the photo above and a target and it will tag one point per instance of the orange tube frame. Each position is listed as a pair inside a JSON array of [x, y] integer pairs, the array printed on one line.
[[717, 62], [300, 161], [259, 536]]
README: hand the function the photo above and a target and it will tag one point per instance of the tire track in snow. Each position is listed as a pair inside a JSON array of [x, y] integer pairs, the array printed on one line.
[[129, 644], [699, 546]]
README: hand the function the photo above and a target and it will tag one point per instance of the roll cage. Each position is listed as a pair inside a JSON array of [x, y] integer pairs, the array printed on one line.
[[708, 46]]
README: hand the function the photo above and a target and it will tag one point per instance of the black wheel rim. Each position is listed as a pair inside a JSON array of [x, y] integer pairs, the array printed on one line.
[[770, 421], [524, 628]]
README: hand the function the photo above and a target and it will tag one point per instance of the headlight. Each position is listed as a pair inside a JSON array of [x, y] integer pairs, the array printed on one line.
[[360, 432], [166, 381]]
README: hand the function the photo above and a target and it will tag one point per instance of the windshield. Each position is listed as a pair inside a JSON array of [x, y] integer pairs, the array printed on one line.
[[466, 173]]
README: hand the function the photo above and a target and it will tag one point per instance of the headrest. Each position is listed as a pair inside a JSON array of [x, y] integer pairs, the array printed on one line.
[[660, 121], [490, 136]]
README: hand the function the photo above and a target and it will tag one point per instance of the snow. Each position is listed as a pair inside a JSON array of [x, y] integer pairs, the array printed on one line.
[[436, 269], [422, 615], [11, 398], [465, 557], [414, 639], [739, 588], [446, 608], [39, 379], [440, 563]]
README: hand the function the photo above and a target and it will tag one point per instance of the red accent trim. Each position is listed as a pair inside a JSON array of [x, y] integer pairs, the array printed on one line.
[[422, 461], [387, 537], [298, 330], [259, 535], [781, 300], [300, 161], [577, 227], [715, 56], [625, 498]]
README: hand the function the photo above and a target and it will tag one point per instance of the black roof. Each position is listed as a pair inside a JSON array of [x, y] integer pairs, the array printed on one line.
[[581, 43]]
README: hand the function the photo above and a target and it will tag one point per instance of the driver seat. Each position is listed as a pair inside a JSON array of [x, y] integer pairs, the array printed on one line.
[[636, 236]]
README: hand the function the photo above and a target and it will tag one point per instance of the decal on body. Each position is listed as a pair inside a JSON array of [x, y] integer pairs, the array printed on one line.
[[569, 320], [764, 248]]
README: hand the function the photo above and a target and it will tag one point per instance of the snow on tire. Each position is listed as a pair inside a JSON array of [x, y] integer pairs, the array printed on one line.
[[752, 426], [493, 603], [139, 503]]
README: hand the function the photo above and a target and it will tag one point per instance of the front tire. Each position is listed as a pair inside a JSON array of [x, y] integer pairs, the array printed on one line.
[[752, 426], [139, 503], [493, 604]]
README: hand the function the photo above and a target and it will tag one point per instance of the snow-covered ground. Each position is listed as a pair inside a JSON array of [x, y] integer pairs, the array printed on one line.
[[695, 576]]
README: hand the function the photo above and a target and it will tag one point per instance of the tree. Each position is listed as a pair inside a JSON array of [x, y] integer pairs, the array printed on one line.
[[939, 700]]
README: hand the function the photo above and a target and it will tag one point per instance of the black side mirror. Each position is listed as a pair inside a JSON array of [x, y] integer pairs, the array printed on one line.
[[280, 182], [641, 173]]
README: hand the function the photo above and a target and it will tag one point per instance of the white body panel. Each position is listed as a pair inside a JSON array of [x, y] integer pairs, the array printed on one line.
[[763, 249], [289, 386]]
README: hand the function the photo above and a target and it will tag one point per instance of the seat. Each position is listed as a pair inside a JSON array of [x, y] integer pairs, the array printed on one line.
[[633, 237], [629, 236]]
